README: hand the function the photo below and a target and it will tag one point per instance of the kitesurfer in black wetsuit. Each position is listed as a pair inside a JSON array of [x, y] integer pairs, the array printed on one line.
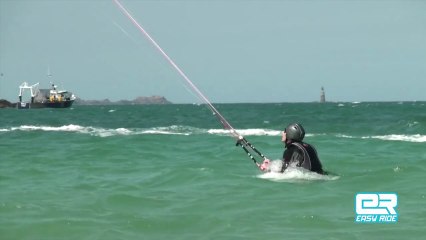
[[297, 152]]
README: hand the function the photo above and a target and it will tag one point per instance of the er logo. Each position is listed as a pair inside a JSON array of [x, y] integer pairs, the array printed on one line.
[[376, 207]]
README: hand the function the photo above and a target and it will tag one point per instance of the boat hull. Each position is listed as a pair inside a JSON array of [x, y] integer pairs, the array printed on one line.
[[23, 105], [63, 104]]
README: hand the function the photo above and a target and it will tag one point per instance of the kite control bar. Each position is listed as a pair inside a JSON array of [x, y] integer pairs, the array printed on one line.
[[244, 144]]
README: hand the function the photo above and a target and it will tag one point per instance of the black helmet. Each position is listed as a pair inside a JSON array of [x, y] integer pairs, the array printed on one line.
[[295, 132]]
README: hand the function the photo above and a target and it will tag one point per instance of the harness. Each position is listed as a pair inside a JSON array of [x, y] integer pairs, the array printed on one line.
[[306, 163]]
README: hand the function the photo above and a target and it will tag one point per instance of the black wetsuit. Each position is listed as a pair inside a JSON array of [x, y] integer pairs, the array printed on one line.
[[303, 155]]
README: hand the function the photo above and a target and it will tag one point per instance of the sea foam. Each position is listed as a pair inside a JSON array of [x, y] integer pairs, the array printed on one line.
[[293, 174]]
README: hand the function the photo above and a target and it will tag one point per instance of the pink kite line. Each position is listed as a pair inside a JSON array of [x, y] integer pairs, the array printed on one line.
[[224, 122]]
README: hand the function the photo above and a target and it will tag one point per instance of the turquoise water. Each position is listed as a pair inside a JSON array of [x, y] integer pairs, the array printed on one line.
[[170, 172]]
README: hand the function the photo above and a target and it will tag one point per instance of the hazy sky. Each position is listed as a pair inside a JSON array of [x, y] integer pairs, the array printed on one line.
[[233, 50]]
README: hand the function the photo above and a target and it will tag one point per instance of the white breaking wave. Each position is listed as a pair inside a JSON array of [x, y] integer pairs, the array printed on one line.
[[247, 132], [403, 138], [186, 130], [391, 137], [344, 136], [108, 132], [173, 130], [65, 128], [253, 132], [102, 132], [96, 131], [170, 130]]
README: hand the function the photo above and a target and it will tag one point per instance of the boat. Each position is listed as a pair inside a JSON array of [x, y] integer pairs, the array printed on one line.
[[45, 98]]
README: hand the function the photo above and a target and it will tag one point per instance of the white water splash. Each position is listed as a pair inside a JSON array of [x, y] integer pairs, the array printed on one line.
[[293, 174]]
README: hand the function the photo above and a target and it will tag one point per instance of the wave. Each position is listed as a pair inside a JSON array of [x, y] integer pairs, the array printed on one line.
[[169, 130], [187, 130], [397, 137], [247, 132], [392, 137], [97, 131], [75, 128]]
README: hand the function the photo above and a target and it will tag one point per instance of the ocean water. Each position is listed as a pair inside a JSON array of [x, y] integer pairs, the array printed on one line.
[[171, 172]]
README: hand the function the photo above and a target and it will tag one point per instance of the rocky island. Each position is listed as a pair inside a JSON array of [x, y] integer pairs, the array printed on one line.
[[6, 104], [136, 101]]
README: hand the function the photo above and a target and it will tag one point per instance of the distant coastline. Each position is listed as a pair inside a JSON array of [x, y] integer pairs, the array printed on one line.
[[136, 101], [78, 101]]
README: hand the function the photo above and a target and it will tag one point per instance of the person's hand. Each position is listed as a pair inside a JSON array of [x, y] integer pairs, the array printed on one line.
[[265, 165]]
